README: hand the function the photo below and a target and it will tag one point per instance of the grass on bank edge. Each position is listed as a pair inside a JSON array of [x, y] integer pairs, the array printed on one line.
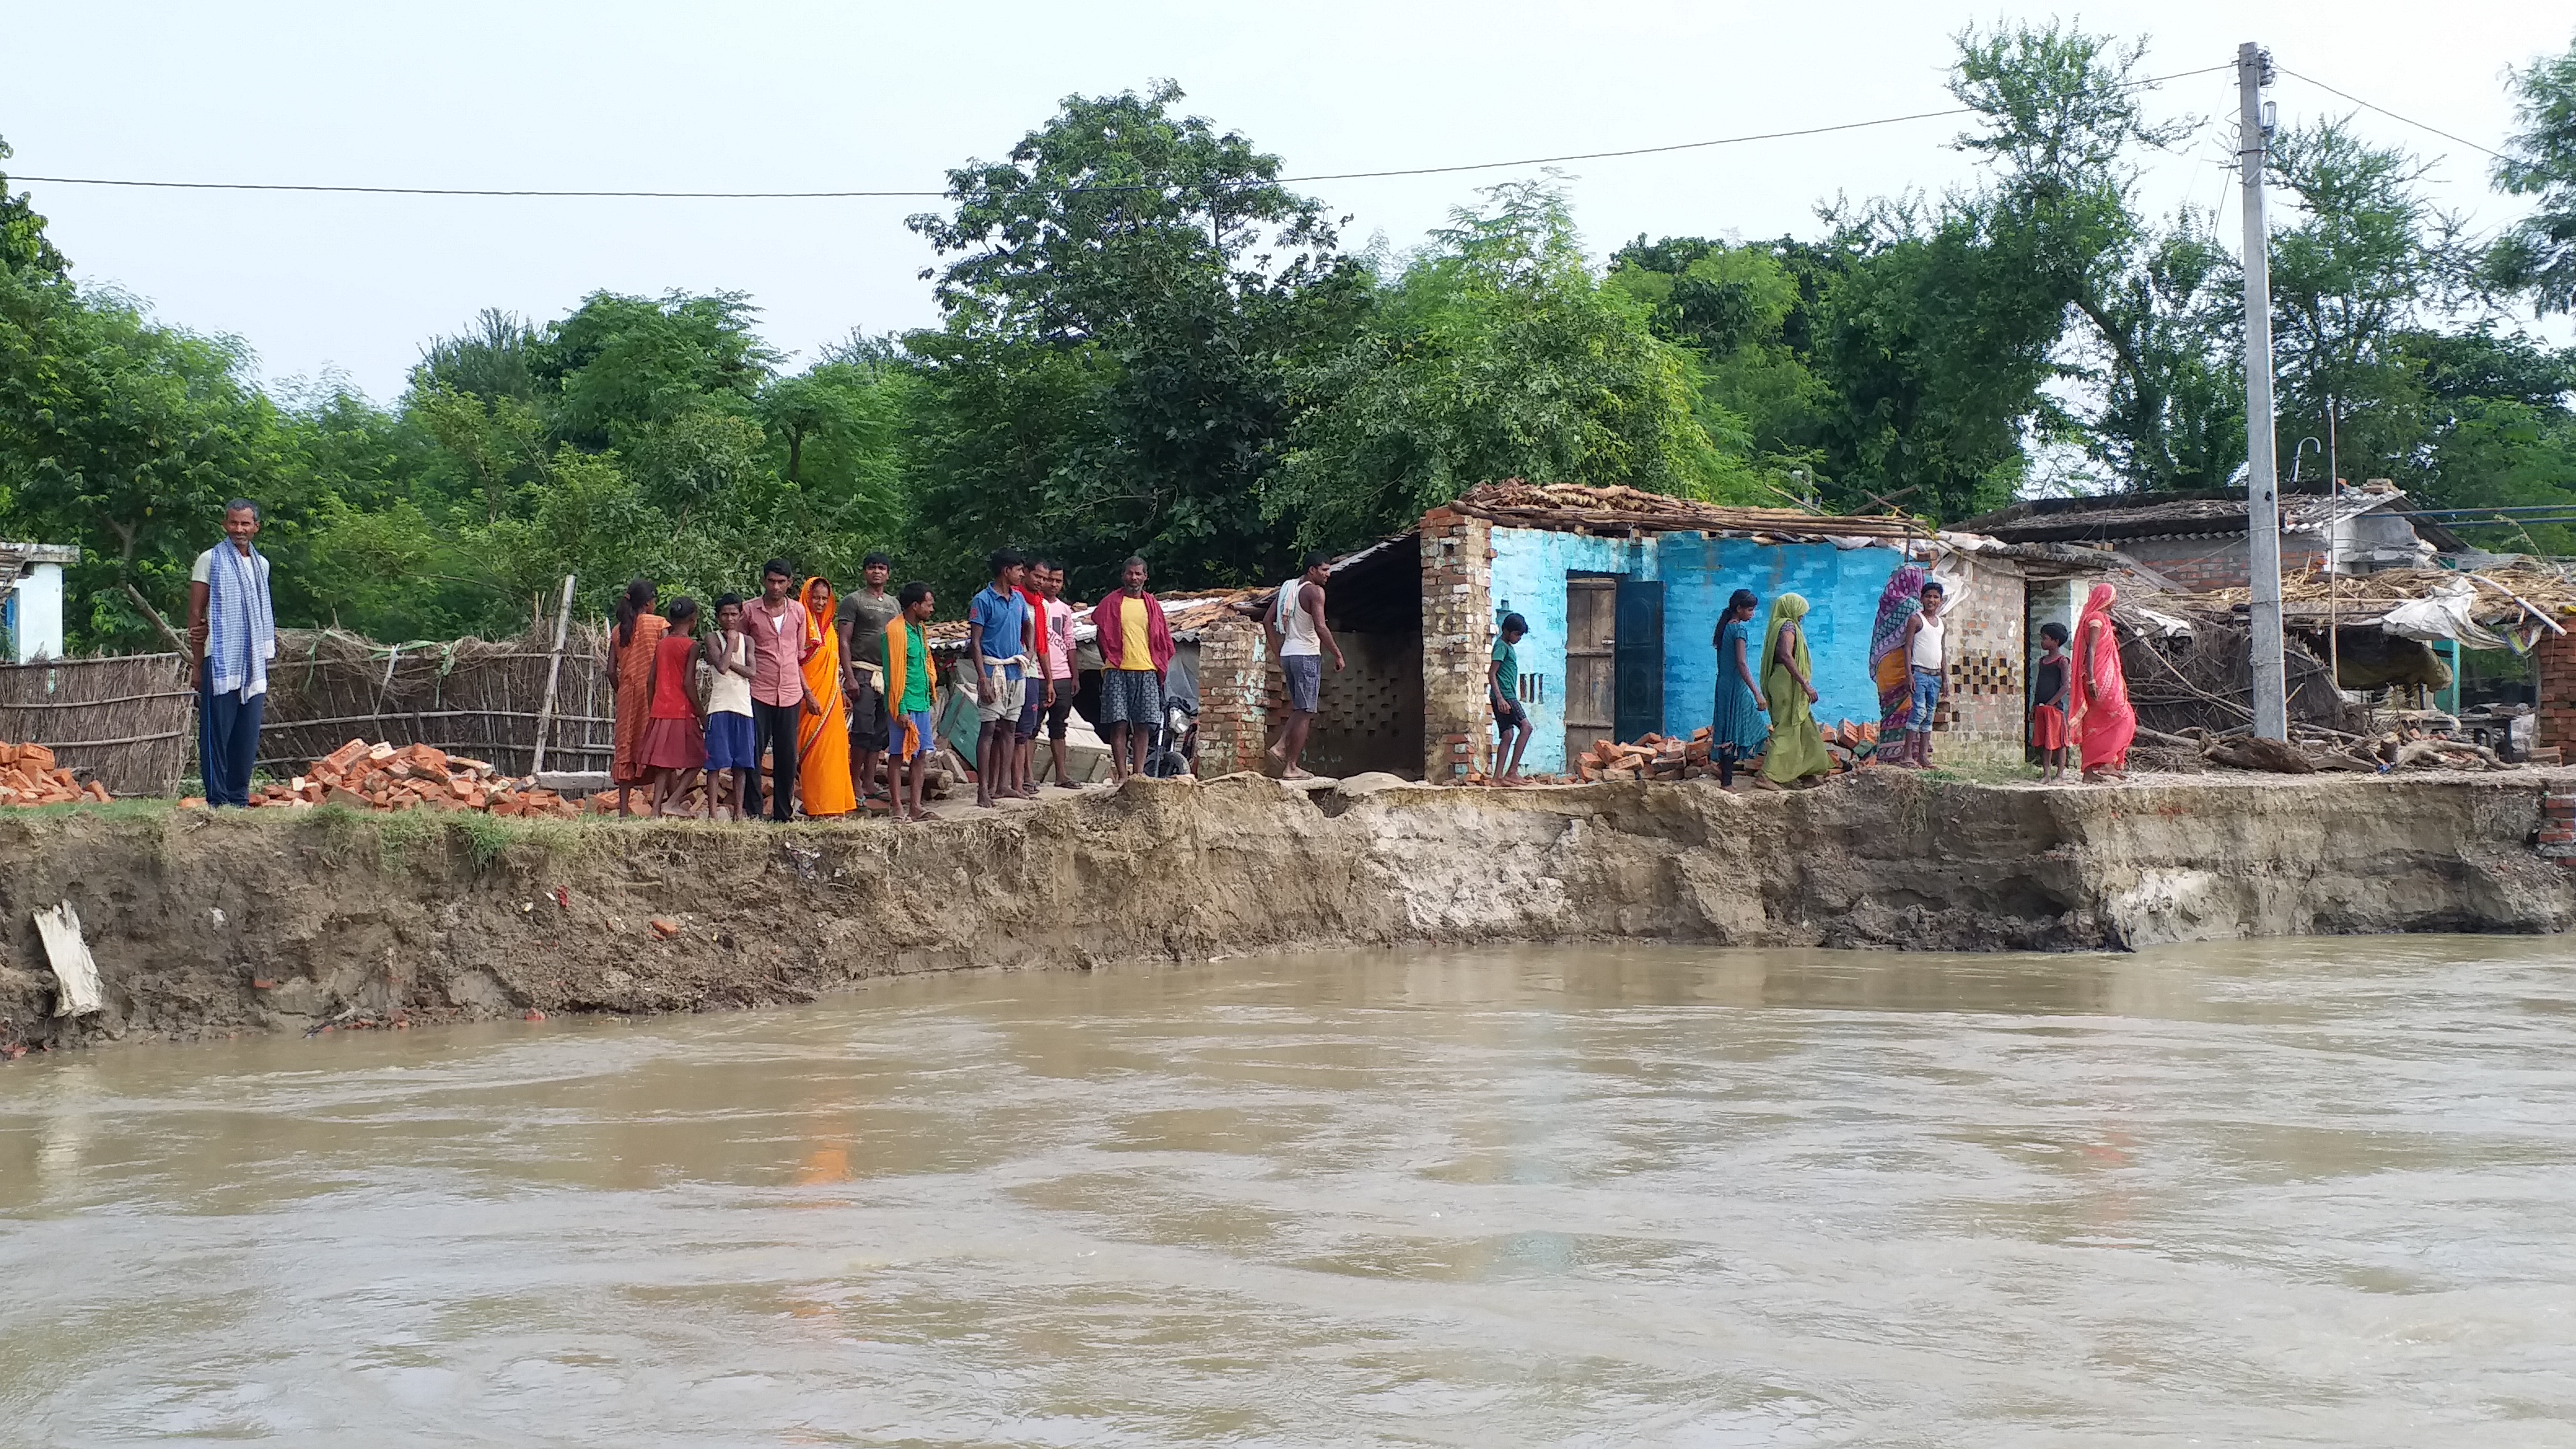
[[1984, 772]]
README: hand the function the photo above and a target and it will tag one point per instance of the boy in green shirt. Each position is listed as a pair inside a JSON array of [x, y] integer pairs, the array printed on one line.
[[912, 689], [1502, 686]]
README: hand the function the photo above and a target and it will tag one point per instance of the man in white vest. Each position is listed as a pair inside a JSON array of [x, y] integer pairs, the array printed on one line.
[[1300, 638]]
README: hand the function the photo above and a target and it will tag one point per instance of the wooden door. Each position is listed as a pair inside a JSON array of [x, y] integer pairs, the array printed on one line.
[[1591, 649], [1639, 650]]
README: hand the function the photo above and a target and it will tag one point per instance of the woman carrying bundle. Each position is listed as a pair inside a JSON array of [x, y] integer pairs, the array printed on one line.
[[1796, 754]]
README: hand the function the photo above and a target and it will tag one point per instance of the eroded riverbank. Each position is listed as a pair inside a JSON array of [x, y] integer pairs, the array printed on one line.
[[206, 925]]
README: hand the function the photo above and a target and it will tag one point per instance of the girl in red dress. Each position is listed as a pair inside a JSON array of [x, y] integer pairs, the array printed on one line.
[[673, 746]]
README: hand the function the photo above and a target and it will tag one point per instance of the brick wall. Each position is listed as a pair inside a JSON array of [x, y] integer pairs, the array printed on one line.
[[2558, 826], [1368, 714], [2203, 564], [1457, 640], [2554, 665], [1982, 706], [1233, 697]]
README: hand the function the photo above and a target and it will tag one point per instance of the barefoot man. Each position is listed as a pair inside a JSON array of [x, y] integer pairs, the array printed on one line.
[[1136, 648], [1299, 638]]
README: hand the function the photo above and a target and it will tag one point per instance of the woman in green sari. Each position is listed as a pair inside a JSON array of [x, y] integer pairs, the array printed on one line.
[[1797, 751]]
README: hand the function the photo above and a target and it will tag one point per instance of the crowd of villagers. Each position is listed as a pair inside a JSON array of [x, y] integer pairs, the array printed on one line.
[[1766, 688], [787, 702]]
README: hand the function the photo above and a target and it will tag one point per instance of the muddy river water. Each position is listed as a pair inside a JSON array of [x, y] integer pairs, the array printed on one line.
[[2316, 1192]]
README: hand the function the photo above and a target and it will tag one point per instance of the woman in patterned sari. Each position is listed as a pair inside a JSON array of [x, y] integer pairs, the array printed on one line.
[[1900, 601], [823, 740], [630, 663]]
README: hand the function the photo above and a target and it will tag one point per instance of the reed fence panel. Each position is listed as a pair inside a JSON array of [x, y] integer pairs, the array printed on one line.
[[126, 721], [471, 697]]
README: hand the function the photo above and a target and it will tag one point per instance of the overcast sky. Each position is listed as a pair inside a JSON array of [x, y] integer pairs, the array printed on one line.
[[777, 96]]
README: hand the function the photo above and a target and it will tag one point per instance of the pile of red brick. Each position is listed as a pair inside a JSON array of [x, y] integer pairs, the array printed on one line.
[[1667, 757], [1652, 757], [28, 776], [363, 776]]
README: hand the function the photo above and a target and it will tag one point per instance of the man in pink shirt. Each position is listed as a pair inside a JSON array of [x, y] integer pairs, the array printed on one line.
[[1059, 663], [779, 698]]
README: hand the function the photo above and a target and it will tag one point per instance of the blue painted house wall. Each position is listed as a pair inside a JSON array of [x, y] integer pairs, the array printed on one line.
[[1841, 586]]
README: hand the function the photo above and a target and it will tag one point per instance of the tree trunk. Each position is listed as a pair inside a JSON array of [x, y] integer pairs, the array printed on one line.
[[154, 615]]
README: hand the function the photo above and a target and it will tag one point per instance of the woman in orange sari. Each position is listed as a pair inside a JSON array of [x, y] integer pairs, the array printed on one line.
[[823, 740], [630, 663], [2100, 718]]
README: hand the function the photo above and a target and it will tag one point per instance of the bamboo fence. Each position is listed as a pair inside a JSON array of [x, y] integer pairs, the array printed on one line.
[[480, 698], [128, 722]]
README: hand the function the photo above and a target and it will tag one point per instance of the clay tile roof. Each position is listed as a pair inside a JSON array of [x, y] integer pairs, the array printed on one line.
[[1575, 507]]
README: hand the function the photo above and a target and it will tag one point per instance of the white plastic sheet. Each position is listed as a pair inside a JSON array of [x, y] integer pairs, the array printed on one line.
[[2443, 615]]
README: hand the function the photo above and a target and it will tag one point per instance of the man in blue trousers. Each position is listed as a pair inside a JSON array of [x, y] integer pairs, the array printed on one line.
[[234, 634]]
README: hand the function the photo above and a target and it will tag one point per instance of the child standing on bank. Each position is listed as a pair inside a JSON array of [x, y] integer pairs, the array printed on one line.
[[671, 747], [1926, 647], [912, 692], [731, 751], [2048, 715], [1502, 689]]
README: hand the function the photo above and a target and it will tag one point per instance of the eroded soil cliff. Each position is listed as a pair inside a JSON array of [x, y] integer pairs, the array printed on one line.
[[211, 924]]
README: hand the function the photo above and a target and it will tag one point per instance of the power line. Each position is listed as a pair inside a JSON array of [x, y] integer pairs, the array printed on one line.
[[2392, 115], [1105, 187]]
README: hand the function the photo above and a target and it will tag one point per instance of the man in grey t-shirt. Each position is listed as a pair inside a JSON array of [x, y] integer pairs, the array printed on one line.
[[865, 612]]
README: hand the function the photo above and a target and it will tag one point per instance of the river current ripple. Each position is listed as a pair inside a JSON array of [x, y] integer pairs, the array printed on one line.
[[2317, 1192]]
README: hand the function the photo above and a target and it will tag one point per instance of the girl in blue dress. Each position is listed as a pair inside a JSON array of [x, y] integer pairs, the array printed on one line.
[[1743, 722]]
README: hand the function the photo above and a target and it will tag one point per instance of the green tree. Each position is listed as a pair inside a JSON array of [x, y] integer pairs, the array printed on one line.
[[1742, 313], [126, 437], [2360, 263], [2538, 253], [1128, 293], [2490, 426], [1495, 354], [24, 247]]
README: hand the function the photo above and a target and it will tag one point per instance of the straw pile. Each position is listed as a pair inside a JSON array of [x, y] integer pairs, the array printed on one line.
[[28, 776], [2542, 586]]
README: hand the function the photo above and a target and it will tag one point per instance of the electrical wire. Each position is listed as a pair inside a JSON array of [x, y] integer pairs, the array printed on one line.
[[2392, 115], [1103, 187]]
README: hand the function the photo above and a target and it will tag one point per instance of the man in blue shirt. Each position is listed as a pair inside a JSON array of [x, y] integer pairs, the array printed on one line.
[[1001, 646]]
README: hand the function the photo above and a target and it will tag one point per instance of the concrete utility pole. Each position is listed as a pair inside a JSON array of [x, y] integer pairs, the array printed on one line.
[[2262, 476]]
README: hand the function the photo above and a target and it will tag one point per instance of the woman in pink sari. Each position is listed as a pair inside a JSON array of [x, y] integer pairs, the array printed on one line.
[[2100, 718]]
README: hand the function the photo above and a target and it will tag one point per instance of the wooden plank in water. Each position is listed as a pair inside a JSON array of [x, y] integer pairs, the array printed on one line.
[[69, 954]]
